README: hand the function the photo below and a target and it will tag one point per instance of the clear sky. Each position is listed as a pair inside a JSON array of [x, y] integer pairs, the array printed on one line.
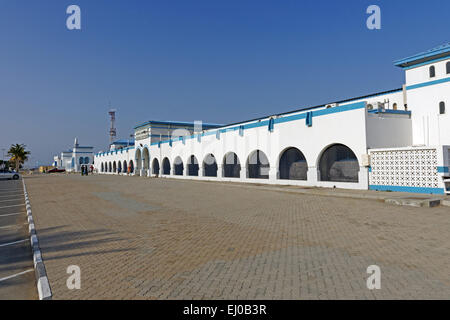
[[216, 61]]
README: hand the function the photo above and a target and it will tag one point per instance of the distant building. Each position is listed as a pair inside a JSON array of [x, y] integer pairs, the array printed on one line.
[[120, 144], [72, 160]]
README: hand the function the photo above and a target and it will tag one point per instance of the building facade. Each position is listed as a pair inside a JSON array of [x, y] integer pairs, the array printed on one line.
[[72, 160], [396, 140]]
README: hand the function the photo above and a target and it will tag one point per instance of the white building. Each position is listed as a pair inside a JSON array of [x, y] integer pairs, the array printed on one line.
[[397, 140], [72, 160]]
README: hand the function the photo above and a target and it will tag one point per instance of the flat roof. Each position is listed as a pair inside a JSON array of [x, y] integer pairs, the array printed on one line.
[[438, 52], [178, 123], [123, 141], [316, 107]]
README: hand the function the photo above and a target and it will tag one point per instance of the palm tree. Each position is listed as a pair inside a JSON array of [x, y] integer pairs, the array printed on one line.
[[18, 154]]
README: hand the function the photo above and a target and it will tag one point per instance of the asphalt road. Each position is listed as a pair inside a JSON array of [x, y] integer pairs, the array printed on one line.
[[17, 279]]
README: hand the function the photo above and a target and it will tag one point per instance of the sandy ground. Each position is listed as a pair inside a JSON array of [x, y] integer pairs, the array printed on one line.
[[143, 238]]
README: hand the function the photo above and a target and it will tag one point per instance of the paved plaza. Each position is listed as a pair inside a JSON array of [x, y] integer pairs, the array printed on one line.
[[156, 238]]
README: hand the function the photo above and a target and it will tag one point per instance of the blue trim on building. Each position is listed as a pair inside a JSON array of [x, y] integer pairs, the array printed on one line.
[[425, 63], [309, 116], [124, 142], [440, 50], [426, 84], [271, 124], [390, 111], [178, 123], [407, 189], [442, 169]]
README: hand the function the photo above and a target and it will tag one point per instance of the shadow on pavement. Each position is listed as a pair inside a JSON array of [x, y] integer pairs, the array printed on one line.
[[57, 244]]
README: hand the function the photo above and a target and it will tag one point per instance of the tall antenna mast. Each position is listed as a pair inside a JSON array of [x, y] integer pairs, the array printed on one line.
[[112, 129]]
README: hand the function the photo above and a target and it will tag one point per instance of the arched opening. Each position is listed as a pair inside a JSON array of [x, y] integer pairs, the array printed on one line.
[[80, 161], [146, 161], [155, 166], [394, 106], [448, 67], [258, 165], [293, 165], [209, 166], [231, 165], [114, 167], [119, 167], [138, 161], [131, 166], [110, 167], [125, 168], [166, 166], [192, 166], [432, 72], [442, 107], [102, 167], [178, 166], [86, 160], [338, 163]]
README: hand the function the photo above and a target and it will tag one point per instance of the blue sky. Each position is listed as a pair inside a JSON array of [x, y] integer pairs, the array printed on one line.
[[216, 61]]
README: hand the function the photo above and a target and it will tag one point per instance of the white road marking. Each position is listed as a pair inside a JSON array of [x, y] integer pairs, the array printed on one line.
[[15, 242], [11, 200], [15, 205], [11, 214], [16, 275], [16, 226], [12, 195]]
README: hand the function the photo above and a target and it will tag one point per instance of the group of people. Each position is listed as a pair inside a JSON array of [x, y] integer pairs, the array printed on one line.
[[85, 170]]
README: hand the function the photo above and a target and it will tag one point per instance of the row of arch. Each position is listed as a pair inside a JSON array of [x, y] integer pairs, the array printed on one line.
[[117, 167], [337, 163]]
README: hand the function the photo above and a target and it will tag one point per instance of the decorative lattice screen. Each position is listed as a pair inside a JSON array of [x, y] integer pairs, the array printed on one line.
[[411, 168]]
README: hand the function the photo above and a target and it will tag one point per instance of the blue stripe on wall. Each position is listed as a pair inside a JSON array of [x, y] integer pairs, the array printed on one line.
[[407, 189], [426, 84]]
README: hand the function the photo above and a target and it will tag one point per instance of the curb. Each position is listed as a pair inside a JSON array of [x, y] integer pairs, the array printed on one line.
[[428, 203], [43, 286]]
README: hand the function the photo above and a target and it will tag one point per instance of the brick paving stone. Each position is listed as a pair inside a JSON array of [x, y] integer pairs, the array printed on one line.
[[142, 238]]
